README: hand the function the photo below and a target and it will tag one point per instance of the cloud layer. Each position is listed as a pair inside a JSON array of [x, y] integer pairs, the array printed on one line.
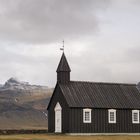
[[101, 39], [43, 21]]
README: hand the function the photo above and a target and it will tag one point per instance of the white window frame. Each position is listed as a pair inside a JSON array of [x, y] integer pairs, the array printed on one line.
[[138, 115], [84, 111], [109, 117]]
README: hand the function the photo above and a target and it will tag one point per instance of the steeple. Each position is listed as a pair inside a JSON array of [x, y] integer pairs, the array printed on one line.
[[63, 70]]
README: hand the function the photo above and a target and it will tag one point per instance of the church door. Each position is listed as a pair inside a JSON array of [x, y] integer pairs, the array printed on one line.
[[58, 118]]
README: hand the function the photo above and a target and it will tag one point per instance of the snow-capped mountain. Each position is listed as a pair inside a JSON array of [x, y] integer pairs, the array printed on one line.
[[23, 105], [14, 83]]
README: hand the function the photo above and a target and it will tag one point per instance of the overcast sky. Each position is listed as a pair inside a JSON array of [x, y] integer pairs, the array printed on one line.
[[102, 40]]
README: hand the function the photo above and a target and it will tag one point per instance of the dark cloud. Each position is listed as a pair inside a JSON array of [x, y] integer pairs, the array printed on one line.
[[43, 21]]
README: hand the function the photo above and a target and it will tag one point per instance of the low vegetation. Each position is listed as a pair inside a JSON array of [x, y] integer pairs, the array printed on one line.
[[65, 137]]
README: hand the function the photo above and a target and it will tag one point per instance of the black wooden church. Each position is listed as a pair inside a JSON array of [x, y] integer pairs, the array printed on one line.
[[92, 107]]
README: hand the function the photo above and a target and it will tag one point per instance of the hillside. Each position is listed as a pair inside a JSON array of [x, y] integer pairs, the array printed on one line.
[[23, 106]]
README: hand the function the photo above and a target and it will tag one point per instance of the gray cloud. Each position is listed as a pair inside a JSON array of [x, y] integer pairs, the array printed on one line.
[[26, 66], [43, 21], [102, 39]]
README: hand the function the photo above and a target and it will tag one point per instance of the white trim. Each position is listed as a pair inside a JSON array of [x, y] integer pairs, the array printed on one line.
[[57, 107], [84, 111], [138, 117], [58, 118], [109, 115]]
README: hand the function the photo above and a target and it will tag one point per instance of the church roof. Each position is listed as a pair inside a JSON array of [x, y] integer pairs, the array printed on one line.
[[101, 95], [63, 64]]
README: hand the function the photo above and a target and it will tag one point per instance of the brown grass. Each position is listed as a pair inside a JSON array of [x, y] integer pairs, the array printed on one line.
[[65, 137]]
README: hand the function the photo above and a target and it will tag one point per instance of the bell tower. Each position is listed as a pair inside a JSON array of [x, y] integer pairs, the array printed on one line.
[[63, 71]]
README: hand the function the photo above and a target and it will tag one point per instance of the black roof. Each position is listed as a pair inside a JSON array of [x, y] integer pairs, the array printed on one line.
[[101, 95], [63, 64]]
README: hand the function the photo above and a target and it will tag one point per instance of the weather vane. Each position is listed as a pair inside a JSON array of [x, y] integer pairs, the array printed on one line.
[[62, 49]]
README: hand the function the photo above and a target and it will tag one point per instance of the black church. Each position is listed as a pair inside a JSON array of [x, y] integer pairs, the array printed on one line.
[[92, 107]]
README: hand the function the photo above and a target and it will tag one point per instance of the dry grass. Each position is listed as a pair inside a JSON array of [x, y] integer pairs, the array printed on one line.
[[64, 137]]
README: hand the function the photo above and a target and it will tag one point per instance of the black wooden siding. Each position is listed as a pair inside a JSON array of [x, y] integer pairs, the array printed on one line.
[[63, 77], [100, 123], [58, 97], [72, 118]]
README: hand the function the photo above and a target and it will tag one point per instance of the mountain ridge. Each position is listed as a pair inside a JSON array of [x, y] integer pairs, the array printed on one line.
[[23, 106]]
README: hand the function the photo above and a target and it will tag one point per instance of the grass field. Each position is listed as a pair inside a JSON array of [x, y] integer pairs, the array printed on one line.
[[64, 137]]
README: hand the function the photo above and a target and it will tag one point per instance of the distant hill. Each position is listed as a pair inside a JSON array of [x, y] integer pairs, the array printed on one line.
[[138, 85], [23, 106]]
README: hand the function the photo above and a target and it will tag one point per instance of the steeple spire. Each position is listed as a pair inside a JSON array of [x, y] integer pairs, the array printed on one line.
[[63, 64], [63, 70]]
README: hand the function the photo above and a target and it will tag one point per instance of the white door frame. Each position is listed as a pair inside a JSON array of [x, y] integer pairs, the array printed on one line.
[[58, 118]]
